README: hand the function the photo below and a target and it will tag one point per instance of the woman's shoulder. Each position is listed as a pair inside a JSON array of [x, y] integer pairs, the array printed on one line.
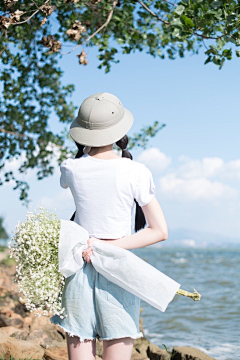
[[138, 166], [132, 165], [136, 169], [72, 161], [67, 162]]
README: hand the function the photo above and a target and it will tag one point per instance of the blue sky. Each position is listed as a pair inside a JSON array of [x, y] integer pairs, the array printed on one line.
[[195, 159]]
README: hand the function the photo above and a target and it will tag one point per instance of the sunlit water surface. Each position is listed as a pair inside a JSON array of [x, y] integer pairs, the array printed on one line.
[[212, 324]]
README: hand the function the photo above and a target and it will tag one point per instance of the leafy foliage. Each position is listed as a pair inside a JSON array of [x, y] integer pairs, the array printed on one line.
[[34, 34], [142, 138]]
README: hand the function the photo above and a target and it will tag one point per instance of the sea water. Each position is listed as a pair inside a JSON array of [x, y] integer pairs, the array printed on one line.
[[211, 324]]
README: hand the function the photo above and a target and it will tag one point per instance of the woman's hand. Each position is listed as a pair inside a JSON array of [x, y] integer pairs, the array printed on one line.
[[88, 252]]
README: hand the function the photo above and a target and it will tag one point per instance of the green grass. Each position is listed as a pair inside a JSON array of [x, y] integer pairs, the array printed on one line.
[[2, 248]]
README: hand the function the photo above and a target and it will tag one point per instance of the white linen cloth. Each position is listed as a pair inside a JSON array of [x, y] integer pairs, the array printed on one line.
[[118, 265]]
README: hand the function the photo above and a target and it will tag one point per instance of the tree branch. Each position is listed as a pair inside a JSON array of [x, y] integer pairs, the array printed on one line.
[[23, 136], [15, 134], [22, 22], [152, 13], [98, 30], [170, 3]]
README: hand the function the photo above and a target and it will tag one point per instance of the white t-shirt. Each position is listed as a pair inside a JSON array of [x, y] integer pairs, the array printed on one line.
[[104, 191]]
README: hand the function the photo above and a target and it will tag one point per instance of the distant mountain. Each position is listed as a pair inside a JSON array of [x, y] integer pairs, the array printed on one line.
[[193, 238]]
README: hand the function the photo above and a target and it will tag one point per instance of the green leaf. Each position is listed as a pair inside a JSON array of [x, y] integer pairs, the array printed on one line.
[[165, 348], [220, 43], [221, 63], [176, 22], [179, 9], [187, 21], [216, 4], [216, 60], [227, 53], [176, 32], [213, 50], [209, 59], [230, 39], [238, 53]]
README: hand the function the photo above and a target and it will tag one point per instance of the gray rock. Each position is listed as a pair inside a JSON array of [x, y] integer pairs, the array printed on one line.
[[53, 333], [140, 343], [189, 353], [155, 353], [15, 321], [19, 349], [61, 331], [7, 331], [2, 321], [40, 338], [56, 352], [20, 334], [138, 356]]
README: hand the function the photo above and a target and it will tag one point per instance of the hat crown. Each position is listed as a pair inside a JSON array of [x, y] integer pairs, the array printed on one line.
[[100, 111]]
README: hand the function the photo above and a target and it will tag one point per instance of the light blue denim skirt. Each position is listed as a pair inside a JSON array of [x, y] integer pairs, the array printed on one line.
[[97, 308]]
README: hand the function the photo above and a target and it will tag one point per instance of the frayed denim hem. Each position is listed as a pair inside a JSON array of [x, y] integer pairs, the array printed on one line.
[[82, 339], [139, 335], [71, 334]]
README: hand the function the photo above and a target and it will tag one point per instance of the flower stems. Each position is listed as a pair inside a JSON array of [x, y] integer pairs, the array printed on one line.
[[195, 295]]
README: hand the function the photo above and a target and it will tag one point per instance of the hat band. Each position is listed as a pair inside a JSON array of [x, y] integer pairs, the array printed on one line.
[[105, 125]]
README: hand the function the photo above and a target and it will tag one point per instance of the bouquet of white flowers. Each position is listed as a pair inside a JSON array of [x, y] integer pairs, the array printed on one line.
[[35, 249]]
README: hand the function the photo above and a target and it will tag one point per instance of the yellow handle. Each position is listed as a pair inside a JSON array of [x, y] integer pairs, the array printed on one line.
[[195, 295]]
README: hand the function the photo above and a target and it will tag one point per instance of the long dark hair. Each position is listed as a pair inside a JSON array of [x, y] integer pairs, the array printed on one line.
[[140, 220]]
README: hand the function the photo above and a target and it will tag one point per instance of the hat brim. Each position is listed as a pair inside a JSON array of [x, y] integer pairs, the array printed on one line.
[[101, 137]]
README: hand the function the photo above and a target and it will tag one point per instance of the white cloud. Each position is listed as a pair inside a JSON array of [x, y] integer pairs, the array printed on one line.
[[193, 179], [154, 159], [206, 167], [195, 188]]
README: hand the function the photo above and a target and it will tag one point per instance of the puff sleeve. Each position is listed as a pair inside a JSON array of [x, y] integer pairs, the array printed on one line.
[[145, 187], [63, 178]]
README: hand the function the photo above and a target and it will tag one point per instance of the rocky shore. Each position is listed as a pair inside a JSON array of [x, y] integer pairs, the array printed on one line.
[[25, 336]]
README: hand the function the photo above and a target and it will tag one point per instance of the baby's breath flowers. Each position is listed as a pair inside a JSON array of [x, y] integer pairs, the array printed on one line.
[[35, 249]]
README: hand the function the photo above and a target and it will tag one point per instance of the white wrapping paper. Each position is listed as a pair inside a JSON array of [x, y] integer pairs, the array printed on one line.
[[72, 241], [118, 265]]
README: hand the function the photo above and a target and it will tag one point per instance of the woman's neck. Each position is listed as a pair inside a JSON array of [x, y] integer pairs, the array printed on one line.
[[103, 152]]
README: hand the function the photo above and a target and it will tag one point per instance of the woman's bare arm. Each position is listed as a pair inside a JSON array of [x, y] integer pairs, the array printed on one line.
[[155, 232]]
